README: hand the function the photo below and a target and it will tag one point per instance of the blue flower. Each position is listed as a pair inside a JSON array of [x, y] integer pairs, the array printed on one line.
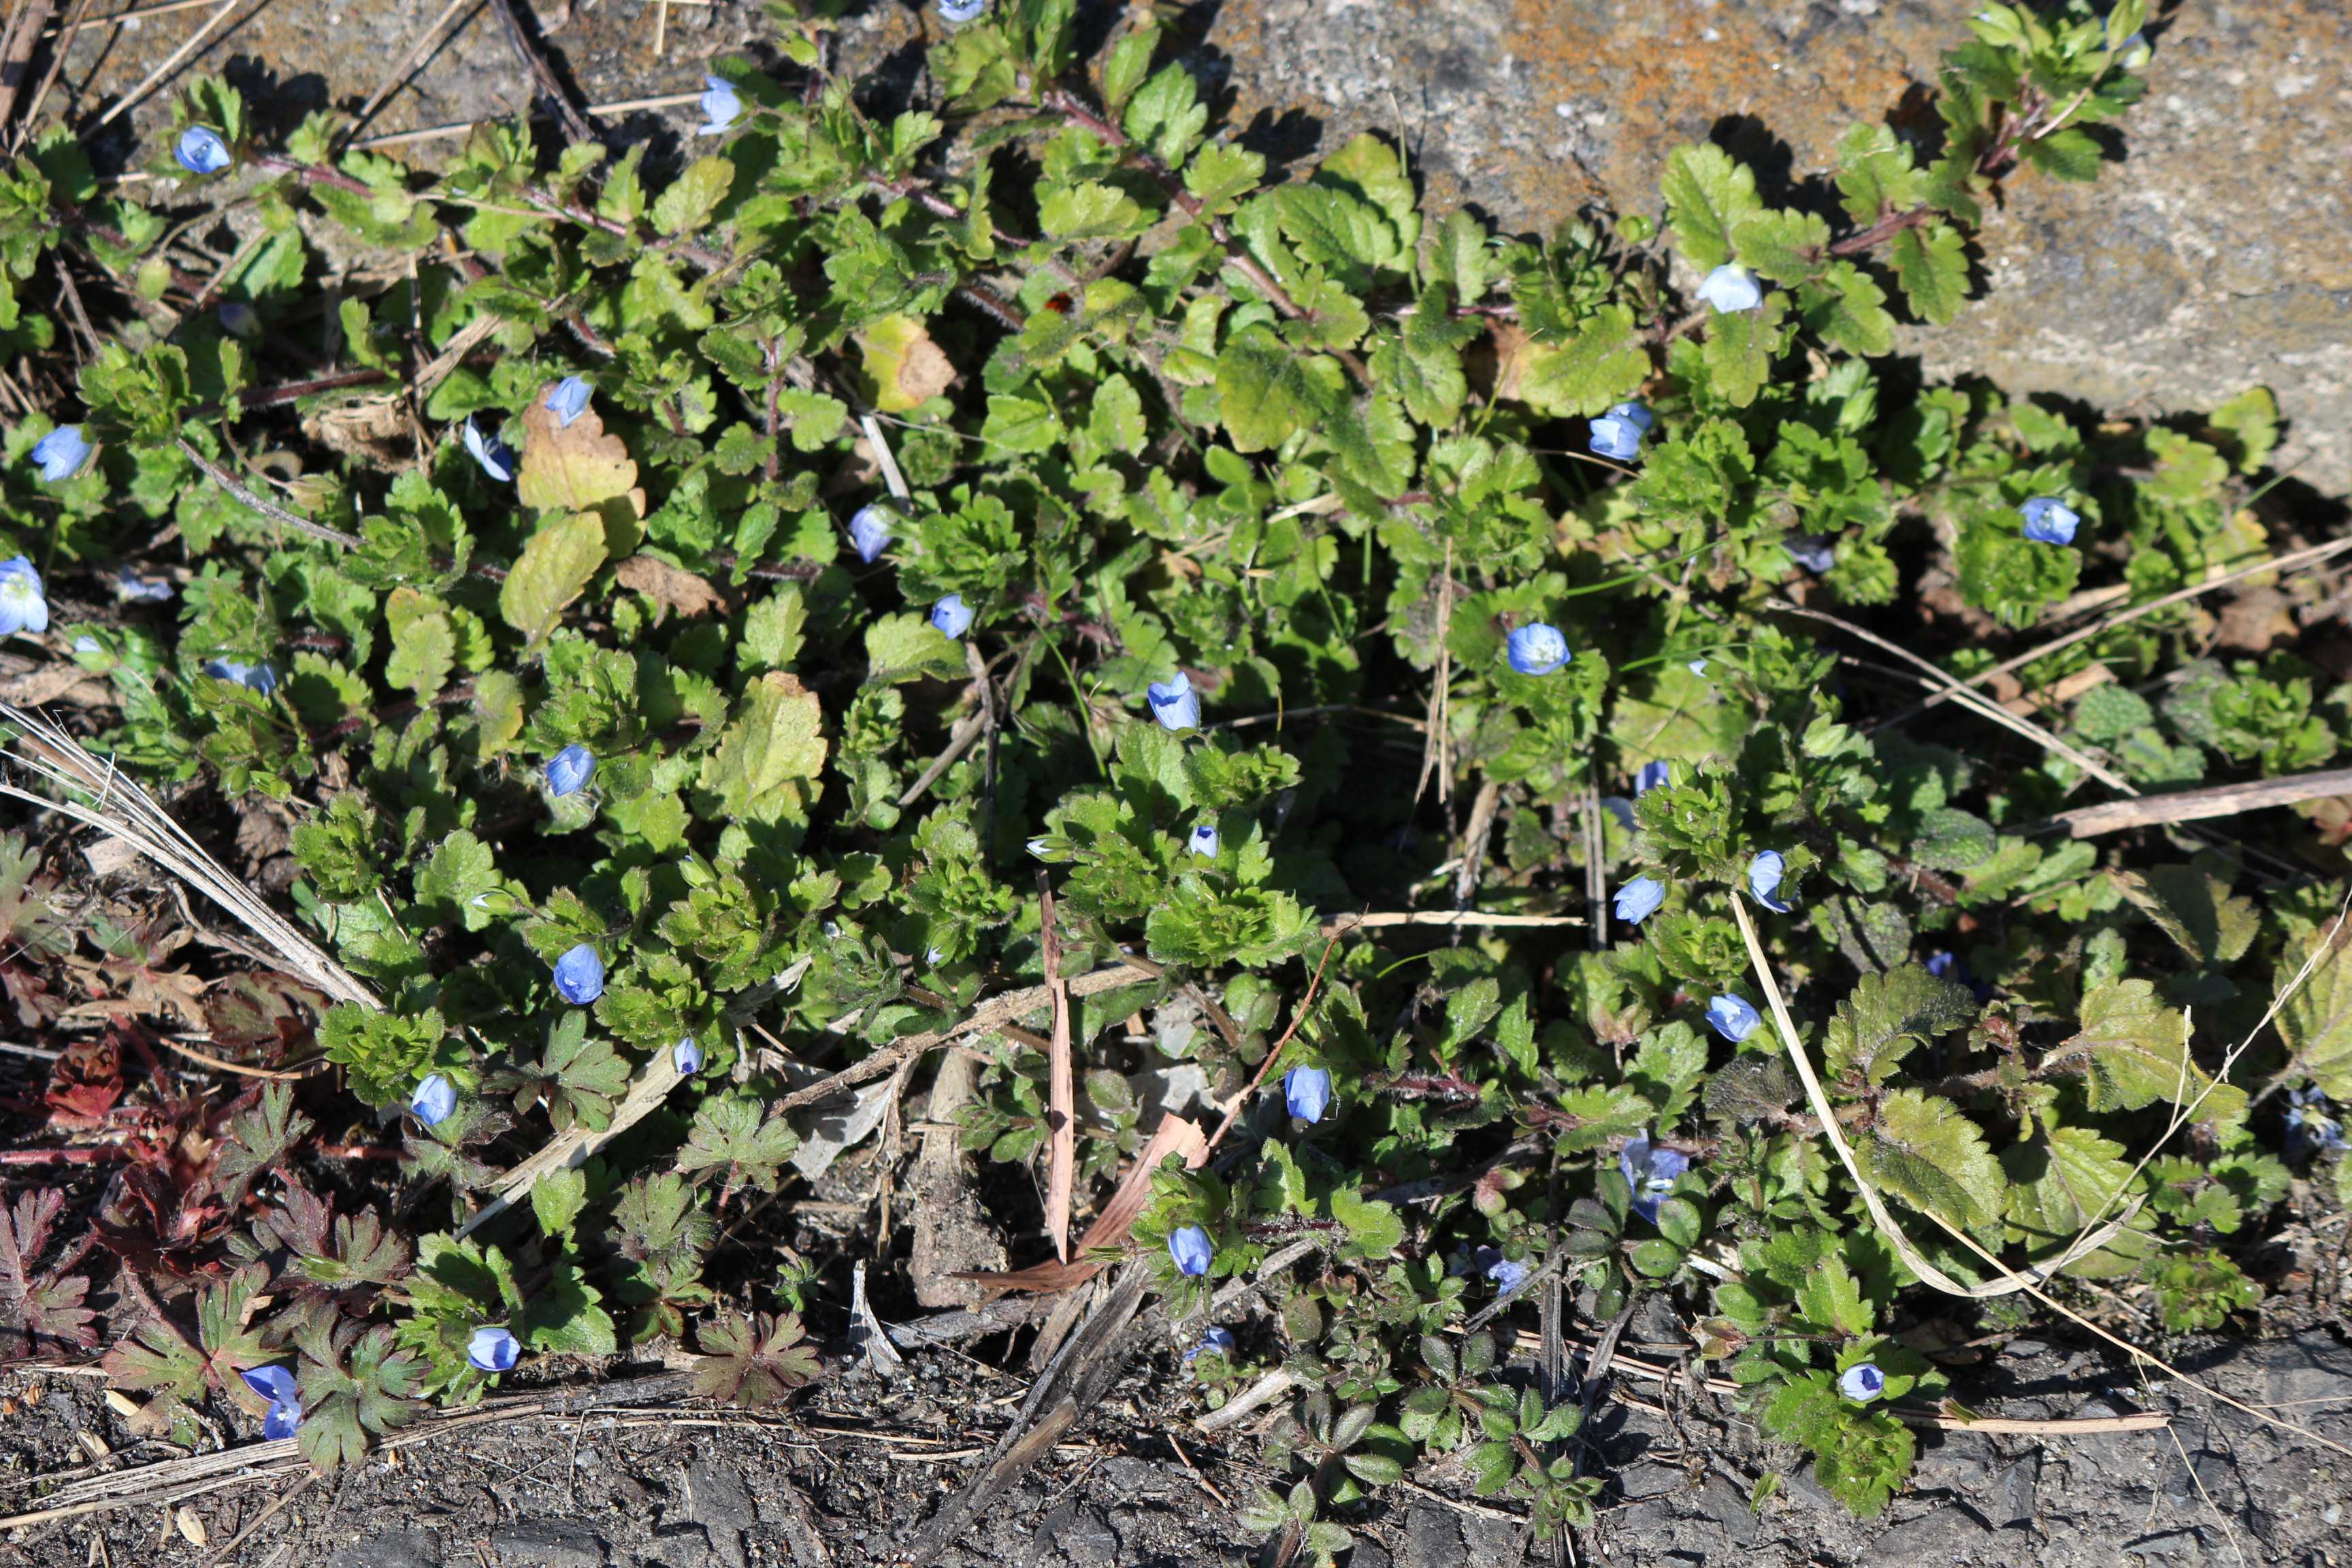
[[951, 616], [1813, 553], [721, 104], [1862, 1383], [1618, 806], [2049, 521], [1653, 776], [1191, 1249], [686, 1057], [962, 10], [1731, 288], [238, 318], [1939, 965], [1651, 1171], [252, 676], [498, 458], [201, 151], [1764, 874], [1307, 1092], [570, 769], [1506, 1274], [60, 453], [580, 976], [1174, 703], [276, 1384], [1203, 842], [1216, 1339], [568, 400], [869, 533], [133, 589], [434, 1099], [1537, 649], [2310, 1130], [1696, 666], [23, 608], [1616, 437], [492, 1350], [1638, 899], [1733, 1018]]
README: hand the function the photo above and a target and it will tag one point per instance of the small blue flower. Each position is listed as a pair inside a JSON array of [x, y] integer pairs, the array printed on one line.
[[1191, 1249], [1862, 1383], [492, 1350], [568, 400], [1216, 1339], [60, 453], [1618, 806], [1507, 1275], [1733, 1018], [1203, 842], [686, 1057], [498, 458], [237, 319], [1638, 899], [951, 616], [962, 10], [1940, 964], [1696, 666], [721, 105], [1039, 847], [201, 151], [1537, 649], [1811, 552], [1617, 438], [1653, 776], [570, 769], [1174, 703], [1307, 1092], [276, 1384], [580, 976], [1651, 1170], [252, 676], [1764, 874], [434, 1099], [1731, 288], [2049, 521], [869, 533], [23, 607], [133, 589], [2310, 1130]]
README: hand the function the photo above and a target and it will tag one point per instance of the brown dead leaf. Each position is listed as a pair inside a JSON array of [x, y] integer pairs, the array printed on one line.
[[46, 684], [576, 467], [669, 587], [2256, 619], [1176, 1135], [903, 366]]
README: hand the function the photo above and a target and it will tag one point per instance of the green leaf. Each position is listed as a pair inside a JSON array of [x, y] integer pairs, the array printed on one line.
[[424, 643], [907, 647], [1266, 390], [1786, 247], [258, 1139], [1739, 348], [1931, 262], [557, 1199], [2070, 154], [1603, 363], [1848, 309], [1223, 173], [2057, 1184], [1422, 363], [1830, 1297], [1090, 211], [776, 741], [555, 568], [1950, 839], [2137, 1049], [752, 1362], [353, 1385], [687, 202], [1923, 1151], [729, 1135], [1707, 194], [2316, 1021], [1374, 1230], [1888, 1015], [2213, 926], [1875, 173]]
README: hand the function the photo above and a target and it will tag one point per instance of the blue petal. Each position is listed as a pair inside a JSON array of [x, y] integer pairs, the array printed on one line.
[[1535, 648], [201, 151], [492, 1350], [580, 976], [1174, 703], [686, 1057], [1307, 1092], [568, 400], [951, 616], [1192, 1251]]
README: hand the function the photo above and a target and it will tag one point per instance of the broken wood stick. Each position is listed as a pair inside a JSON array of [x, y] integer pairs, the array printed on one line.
[[2197, 804]]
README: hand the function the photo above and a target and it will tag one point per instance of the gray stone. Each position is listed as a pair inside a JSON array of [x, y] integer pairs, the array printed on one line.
[[1077, 1537], [1134, 1478], [2211, 259], [547, 1544], [1800, 1486], [2016, 1489], [2173, 1546], [2311, 1366], [1432, 1539], [1369, 1553], [390, 1549], [715, 1498], [1941, 1535], [1728, 1506]]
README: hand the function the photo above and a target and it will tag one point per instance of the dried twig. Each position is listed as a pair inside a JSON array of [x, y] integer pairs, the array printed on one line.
[[275, 513], [552, 90], [1061, 1103], [17, 42], [2196, 804], [1443, 919]]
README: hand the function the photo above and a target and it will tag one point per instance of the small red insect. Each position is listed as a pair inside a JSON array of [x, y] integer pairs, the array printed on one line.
[[1060, 304]]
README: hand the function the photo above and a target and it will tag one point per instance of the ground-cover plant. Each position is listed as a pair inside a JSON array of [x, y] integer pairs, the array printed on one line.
[[706, 587]]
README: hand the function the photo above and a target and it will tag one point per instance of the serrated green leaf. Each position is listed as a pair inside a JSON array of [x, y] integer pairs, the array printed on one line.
[[1830, 1297], [1708, 194], [2316, 1021], [1848, 309], [1784, 245], [2137, 1049], [776, 741], [2058, 1185], [729, 1135], [1739, 349], [555, 570], [686, 205], [1923, 1151], [1931, 262], [1268, 390], [1603, 363], [1888, 1015]]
